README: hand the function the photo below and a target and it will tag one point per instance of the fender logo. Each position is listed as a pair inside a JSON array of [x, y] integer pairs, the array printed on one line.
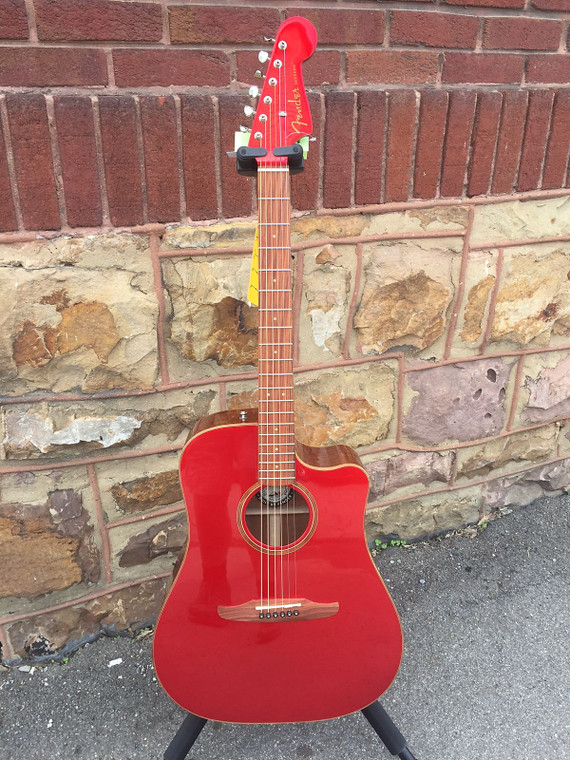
[[299, 120]]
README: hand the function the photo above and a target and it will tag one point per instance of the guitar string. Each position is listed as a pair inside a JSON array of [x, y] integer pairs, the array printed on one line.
[[290, 403]]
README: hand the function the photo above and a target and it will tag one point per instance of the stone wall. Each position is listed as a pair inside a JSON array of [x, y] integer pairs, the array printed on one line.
[[434, 338]]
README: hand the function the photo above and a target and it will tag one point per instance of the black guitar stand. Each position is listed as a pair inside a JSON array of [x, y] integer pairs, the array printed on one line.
[[375, 714]]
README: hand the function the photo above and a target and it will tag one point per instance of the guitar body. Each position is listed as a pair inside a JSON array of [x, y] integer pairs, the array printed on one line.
[[281, 669]]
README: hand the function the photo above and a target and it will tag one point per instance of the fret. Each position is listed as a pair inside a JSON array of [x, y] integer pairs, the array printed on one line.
[[273, 169], [272, 198], [273, 224], [264, 308], [272, 471], [266, 271]]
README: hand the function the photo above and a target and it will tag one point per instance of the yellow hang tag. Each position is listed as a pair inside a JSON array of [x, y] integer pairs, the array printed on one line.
[[253, 290]]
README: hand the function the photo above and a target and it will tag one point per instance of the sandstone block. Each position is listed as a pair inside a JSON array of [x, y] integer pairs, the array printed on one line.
[[533, 302], [410, 470], [520, 220], [477, 299], [473, 312], [126, 609], [210, 236], [56, 430], [546, 394], [314, 227], [407, 289], [327, 278], [149, 547], [458, 402], [444, 218], [508, 452], [520, 489], [47, 547], [430, 515], [211, 321], [353, 406], [82, 314], [138, 485]]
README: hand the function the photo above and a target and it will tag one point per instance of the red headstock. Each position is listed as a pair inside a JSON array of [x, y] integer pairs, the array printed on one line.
[[283, 115]]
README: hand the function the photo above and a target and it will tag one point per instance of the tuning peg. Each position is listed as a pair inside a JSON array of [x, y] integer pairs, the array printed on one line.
[[253, 91], [263, 56], [269, 39], [259, 74], [249, 111]]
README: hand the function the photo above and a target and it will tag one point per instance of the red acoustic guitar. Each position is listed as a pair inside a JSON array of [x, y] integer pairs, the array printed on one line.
[[277, 613]]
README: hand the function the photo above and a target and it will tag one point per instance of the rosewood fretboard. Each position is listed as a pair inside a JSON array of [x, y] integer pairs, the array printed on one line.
[[276, 416]]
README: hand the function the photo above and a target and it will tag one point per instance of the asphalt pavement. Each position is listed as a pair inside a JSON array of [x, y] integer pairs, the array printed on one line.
[[485, 674]]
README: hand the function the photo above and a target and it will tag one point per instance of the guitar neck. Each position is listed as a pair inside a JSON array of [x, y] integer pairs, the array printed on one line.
[[276, 414]]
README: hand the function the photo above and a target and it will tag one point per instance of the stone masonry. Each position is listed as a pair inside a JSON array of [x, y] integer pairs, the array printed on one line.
[[435, 340]]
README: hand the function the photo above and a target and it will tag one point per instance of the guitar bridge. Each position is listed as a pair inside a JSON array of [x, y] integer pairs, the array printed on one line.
[[278, 610]]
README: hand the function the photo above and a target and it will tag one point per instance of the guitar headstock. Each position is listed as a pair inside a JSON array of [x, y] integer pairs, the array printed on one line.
[[283, 116]]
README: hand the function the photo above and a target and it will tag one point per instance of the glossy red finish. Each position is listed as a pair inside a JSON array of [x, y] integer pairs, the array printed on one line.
[[283, 671], [284, 86]]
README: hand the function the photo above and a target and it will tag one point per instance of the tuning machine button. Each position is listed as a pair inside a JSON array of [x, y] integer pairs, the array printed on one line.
[[253, 91], [249, 111], [263, 56]]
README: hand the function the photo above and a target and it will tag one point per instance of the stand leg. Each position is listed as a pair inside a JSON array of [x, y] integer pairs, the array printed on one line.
[[387, 731], [185, 737]]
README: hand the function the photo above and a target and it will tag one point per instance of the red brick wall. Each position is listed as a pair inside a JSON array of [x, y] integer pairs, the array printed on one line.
[[118, 113]]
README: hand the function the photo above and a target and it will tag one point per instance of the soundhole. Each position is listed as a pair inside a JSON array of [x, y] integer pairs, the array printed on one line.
[[277, 516]]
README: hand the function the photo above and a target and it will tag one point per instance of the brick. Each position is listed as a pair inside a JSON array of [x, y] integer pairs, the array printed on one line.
[[52, 67], [521, 33], [346, 27], [322, 68], [162, 68], [391, 67], [160, 142], [8, 219], [121, 159], [78, 156], [489, 3], [13, 20], [534, 141], [370, 147], [482, 68], [484, 140], [558, 143], [548, 69], [27, 115], [236, 190], [198, 24], [509, 142], [98, 20], [337, 170], [457, 140], [402, 119], [429, 149], [552, 5], [448, 30], [305, 188], [199, 156]]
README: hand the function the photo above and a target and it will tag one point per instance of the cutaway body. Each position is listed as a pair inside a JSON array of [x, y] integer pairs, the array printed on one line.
[[261, 662]]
